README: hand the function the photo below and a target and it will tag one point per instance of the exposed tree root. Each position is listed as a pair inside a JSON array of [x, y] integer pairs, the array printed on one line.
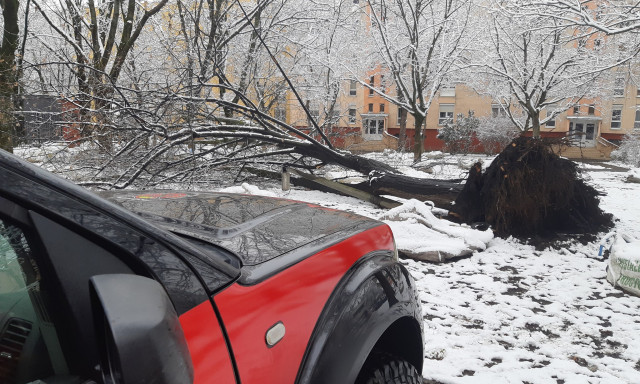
[[529, 191]]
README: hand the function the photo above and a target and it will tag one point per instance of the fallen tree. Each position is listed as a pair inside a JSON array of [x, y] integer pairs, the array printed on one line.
[[526, 191]]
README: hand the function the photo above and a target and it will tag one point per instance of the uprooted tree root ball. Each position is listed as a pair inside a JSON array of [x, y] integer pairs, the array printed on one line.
[[529, 191]]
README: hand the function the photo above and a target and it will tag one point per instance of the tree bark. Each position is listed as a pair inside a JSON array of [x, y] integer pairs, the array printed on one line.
[[535, 125], [8, 80], [418, 145], [345, 159], [402, 140], [440, 192]]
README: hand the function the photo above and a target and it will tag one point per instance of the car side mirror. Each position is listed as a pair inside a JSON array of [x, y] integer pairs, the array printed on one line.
[[139, 336]]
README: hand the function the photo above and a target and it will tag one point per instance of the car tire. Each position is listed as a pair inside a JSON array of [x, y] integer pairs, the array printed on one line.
[[390, 370]]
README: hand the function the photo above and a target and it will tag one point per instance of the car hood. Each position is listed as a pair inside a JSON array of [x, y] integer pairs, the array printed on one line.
[[257, 229]]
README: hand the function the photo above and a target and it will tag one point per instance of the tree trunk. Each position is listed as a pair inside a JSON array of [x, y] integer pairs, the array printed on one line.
[[402, 140], [345, 159], [440, 192], [535, 125], [418, 145], [6, 126], [8, 80]]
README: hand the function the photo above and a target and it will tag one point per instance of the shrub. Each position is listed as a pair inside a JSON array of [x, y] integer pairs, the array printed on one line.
[[495, 133], [629, 151], [458, 136]]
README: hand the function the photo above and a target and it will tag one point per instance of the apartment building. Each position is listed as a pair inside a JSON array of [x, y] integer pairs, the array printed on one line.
[[367, 122]]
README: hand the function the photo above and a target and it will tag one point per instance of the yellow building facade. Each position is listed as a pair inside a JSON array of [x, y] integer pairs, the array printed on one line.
[[367, 122]]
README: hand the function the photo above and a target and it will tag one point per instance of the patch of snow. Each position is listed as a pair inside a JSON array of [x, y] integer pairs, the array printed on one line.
[[249, 189], [458, 240], [433, 155]]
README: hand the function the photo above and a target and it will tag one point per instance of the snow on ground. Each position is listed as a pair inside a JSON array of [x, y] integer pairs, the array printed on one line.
[[514, 314]]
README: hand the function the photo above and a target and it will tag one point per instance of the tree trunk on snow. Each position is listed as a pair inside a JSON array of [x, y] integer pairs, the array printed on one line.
[[440, 192]]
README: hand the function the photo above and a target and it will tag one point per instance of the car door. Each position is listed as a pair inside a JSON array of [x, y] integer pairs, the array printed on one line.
[[57, 243]]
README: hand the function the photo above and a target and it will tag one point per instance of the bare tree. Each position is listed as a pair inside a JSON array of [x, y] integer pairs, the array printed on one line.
[[532, 63], [609, 17], [616, 23], [322, 46], [418, 43], [101, 36]]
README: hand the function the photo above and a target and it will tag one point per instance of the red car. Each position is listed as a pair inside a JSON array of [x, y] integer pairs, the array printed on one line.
[[159, 287]]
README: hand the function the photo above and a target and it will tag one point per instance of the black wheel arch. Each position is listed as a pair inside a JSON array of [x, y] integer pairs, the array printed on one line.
[[374, 308]]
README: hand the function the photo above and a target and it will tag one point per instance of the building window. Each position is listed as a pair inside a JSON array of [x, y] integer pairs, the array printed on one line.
[[618, 87], [636, 123], [382, 87], [400, 109], [550, 110], [616, 117], [576, 109], [374, 127], [498, 111], [448, 92], [353, 90], [370, 108], [582, 44], [371, 83], [638, 92], [381, 108], [551, 123], [446, 114], [352, 115], [592, 110]]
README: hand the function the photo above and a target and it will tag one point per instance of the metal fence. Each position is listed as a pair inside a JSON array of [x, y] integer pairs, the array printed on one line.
[[43, 119]]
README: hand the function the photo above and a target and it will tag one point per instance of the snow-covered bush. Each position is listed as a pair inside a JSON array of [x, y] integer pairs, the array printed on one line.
[[629, 151], [458, 135], [494, 133], [468, 132]]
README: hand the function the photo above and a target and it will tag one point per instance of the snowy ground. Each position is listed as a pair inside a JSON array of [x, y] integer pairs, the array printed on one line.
[[514, 314]]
